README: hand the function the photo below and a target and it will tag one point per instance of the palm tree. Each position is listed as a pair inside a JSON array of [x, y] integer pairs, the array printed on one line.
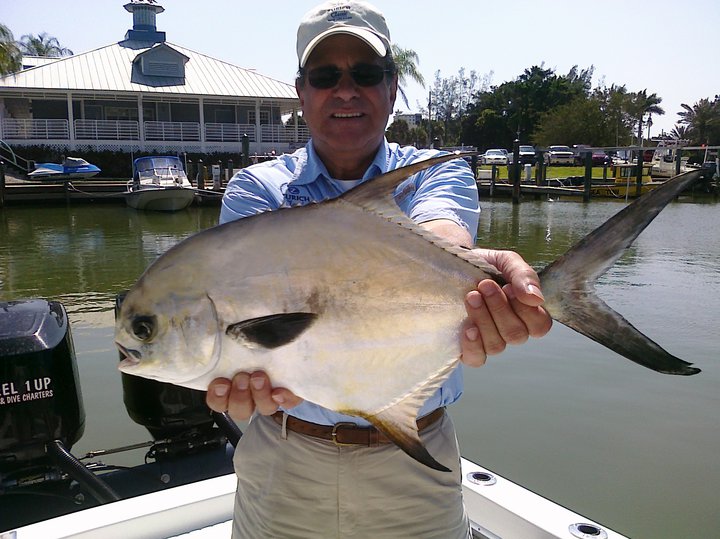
[[10, 55], [406, 61], [642, 104], [680, 132], [43, 45], [700, 119]]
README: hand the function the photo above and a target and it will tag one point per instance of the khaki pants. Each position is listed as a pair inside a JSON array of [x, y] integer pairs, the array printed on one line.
[[301, 487]]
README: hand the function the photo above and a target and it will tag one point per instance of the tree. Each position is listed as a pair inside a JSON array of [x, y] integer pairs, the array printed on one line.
[[43, 45], [451, 98], [514, 109], [10, 55], [702, 121], [406, 61], [640, 104], [580, 121]]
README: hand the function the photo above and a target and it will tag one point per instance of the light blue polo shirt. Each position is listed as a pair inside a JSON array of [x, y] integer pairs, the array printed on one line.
[[444, 191]]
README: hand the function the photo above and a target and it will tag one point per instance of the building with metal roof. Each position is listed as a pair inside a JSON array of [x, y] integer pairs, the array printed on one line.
[[147, 94]]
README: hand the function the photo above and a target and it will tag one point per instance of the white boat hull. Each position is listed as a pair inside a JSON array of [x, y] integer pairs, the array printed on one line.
[[496, 506], [160, 198]]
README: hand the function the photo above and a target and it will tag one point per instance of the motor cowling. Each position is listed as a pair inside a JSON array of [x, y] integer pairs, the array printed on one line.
[[40, 397], [165, 410]]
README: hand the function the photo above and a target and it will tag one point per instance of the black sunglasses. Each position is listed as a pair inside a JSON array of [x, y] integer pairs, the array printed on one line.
[[326, 77]]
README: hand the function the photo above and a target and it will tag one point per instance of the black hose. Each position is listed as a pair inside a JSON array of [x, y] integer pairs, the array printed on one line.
[[228, 427], [100, 490]]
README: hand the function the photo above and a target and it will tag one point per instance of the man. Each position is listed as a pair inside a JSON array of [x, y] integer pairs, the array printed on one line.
[[292, 480]]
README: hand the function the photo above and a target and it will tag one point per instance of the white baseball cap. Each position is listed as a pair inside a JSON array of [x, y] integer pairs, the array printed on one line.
[[359, 19]]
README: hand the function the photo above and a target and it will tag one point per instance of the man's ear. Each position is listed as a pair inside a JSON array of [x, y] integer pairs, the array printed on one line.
[[300, 92], [393, 92]]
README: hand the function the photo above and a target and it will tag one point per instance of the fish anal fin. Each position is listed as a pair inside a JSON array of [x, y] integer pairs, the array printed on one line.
[[399, 421], [271, 331]]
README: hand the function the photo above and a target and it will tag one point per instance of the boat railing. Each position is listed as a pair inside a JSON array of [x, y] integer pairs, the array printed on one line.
[[9, 155]]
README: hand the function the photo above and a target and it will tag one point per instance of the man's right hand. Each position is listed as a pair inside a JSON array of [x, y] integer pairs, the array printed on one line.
[[246, 393]]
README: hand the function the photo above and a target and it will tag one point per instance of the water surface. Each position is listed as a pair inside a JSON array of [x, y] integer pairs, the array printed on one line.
[[561, 415]]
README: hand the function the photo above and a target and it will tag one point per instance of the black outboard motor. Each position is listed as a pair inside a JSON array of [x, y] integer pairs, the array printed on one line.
[[165, 410], [40, 399]]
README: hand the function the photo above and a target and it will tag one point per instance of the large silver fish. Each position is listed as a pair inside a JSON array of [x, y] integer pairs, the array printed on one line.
[[351, 305]]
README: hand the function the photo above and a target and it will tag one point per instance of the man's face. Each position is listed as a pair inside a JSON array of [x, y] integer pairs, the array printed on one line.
[[347, 118]]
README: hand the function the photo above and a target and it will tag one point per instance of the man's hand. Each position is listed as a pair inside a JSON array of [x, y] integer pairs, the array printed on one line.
[[246, 393], [501, 316]]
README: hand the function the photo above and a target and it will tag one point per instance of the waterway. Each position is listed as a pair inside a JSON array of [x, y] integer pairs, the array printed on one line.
[[630, 448]]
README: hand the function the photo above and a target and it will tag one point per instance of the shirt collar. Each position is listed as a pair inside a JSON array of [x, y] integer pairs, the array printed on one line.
[[310, 167]]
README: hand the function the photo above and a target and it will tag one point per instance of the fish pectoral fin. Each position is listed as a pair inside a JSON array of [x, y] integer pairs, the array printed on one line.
[[271, 331]]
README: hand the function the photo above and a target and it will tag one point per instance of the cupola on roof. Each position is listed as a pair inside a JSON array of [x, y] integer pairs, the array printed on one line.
[[144, 25]]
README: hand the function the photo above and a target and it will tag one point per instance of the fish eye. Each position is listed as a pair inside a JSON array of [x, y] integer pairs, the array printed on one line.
[[143, 327]]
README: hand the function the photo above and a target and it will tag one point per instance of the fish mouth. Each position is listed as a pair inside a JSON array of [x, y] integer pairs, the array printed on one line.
[[131, 358]]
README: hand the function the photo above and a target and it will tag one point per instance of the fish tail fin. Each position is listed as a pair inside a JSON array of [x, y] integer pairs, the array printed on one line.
[[399, 421], [569, 283]]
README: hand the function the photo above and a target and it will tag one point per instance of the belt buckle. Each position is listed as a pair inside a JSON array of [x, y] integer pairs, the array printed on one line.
[[334, 433]]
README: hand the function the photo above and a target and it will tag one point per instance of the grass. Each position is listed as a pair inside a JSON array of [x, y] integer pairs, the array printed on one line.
[[552, 171]]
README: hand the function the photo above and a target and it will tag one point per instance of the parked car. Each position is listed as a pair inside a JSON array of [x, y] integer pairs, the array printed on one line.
[[496, 156], [527, 155], [599, 157], [559, 155]]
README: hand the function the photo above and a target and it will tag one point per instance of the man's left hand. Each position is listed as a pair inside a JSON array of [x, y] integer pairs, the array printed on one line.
[[498, 316]]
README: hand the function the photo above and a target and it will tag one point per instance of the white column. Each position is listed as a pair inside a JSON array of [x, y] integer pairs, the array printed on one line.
[[71, 120], [258, 131], [201, 104], [141, 122]]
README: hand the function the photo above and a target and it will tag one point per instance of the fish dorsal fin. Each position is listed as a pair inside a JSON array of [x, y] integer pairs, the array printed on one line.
[[271, 331], [377, 195]]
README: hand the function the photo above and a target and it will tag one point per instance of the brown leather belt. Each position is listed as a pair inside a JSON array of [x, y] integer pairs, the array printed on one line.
[[349, 433]]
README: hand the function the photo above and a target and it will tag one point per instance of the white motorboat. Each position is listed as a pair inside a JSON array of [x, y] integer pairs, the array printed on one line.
[[159, 184]]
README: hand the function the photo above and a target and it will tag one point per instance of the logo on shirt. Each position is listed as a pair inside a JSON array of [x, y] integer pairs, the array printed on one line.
[[296, 196]]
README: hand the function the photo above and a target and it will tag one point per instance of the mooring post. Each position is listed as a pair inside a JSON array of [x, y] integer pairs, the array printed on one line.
[[639, 175], [200, 182], [230, 171], [588, 177], [493, 178], [245, 150], [515, 171], [2, 184], [678, 157]]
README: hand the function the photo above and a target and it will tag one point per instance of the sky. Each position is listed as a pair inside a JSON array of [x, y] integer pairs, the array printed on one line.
[[667, 47]]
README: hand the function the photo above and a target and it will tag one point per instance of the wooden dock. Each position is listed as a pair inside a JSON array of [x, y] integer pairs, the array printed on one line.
[[487, 188], [17, 191]]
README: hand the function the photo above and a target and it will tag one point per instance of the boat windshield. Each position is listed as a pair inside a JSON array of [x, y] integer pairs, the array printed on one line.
[[165, 163]]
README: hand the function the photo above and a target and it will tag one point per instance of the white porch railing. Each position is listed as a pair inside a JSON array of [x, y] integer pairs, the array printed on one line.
[[129, 130], [282, 133], [172, 131], [229, 132], [14, 129], [107, 129]]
